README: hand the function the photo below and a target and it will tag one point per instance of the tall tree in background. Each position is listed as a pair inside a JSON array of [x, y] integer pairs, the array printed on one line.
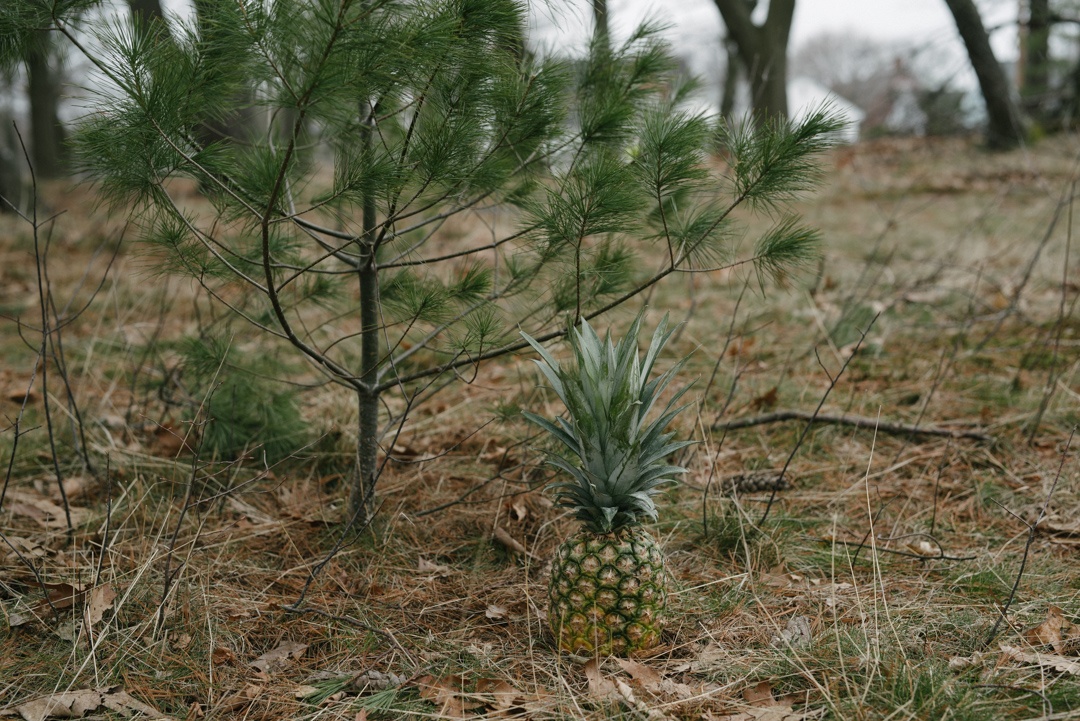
[[730, 86], [762, 50], [148, 16], [1039, 99], [1005, 128], [43, 72]]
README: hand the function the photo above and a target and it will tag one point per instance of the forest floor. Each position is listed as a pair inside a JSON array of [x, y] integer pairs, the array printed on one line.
[[922, 564]]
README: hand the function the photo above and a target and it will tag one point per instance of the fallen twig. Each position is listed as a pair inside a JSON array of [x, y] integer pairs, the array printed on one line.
[[891, 427], [833, 380], [1032, 527]]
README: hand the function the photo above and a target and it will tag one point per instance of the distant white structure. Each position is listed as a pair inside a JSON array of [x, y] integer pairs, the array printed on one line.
[[806, 95]]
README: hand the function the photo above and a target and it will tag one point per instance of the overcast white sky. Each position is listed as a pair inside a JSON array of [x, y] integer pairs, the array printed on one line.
[[697, 22]]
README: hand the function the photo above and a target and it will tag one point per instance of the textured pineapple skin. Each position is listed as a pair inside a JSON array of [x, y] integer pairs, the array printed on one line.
[[607, 593]]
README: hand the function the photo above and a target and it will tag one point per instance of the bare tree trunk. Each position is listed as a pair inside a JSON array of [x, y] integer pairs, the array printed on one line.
[[1004, 128], [763, 52], [362, 498], [43, 74], [245, 122], [1035, 70], [11, 163], [148, 15], [731, 80]]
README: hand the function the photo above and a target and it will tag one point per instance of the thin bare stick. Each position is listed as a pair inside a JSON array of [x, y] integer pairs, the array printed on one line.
[[893, 428], [1053, 373], [1032, 527], [833, 380], [34, 570], [1018, 290], [43, 299], [108, 519], [941, 555], [18, 425], [937, 483], [169, 574]]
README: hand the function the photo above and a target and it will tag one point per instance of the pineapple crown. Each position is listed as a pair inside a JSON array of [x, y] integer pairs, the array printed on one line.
[[617, 459]]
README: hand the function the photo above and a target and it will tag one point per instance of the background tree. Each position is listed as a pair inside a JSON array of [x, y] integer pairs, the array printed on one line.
[[1035, 87], [1004, 126], [11, 160], [148, 14], [762, 51], [435, 190], [44, 72]]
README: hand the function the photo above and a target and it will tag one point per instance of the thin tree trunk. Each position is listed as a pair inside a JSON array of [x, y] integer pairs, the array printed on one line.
[[47, 150], [11, 164], [731, 80], [763, 52], [148, 16], [1035, 76], [362, 499], [1004, 127], [245, 122]]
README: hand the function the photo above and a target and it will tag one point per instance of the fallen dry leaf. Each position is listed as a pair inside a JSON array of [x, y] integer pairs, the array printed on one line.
[[76, 704], [75, 487], [67, 704], [957, 663], [766, 713], [43, 511], [24, 547], [1064, 664], [760, 694], [600, 688], [373, 680], [653, 681], [796, 634], [1061, 525], [118, 700], [605, 689], [101, 600], [279, 656], [501, 691], [236, 700], [435, 569], [21, 395], [65, 595], [222, 655], [641, 673], [1054, 631], [447, 694]]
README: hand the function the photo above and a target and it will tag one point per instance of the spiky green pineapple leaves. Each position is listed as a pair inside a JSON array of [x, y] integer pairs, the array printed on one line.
[[617, 454]]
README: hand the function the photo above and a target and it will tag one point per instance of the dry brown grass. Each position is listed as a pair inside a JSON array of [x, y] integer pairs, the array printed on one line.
[[896, 552]]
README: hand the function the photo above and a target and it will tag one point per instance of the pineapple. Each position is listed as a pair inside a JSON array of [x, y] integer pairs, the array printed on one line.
[[608, 583]]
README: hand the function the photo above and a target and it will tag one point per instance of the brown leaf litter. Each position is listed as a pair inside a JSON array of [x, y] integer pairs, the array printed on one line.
[[76, 704]]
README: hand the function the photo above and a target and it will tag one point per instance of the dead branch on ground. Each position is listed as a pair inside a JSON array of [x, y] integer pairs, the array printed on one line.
[[890, 427]]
